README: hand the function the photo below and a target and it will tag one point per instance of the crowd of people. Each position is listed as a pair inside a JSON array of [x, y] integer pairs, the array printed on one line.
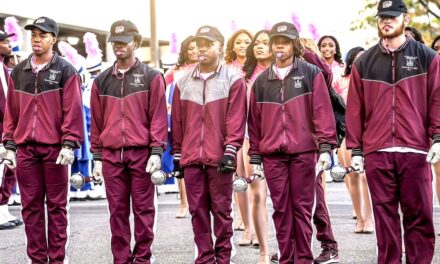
[[259, 107]]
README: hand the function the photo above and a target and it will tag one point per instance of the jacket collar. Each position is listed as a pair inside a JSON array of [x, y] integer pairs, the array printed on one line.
[[387, 51], [28, 65], [115, 67], [272, 74], [196, 71]]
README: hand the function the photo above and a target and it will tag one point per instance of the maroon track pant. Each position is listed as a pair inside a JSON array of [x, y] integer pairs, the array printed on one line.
[[291, 181], [125, 180], [39, 178], [7, 185], [210, 191], [321, 218], [405, 179]]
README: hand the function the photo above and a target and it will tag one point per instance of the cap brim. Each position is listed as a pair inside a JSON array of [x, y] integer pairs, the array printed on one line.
[[7, 36], [45, 29], [204, 37], [124, 39], [389, 13], [289, 36]]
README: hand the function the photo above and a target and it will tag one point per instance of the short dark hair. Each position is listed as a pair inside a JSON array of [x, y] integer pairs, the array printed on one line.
[[351, 55], [338, 55]]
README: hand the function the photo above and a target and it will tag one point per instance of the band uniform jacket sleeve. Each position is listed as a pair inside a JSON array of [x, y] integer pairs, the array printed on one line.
[[3, 97], [355, 115], [323, 119], [236, 114], [97, 123], [254, 124], [176, 123], [72, 126], [158, 113], [434, 97]]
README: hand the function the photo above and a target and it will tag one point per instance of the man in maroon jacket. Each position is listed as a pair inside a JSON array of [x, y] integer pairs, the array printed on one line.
[[291, 120], [207, 125], [8, 181], [392, 117], [128, 135], [43, 123]]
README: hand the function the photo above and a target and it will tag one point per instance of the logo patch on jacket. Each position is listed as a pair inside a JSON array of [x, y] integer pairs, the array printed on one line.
[[411, 63], [297, 81], [52, 77], [137, 80]]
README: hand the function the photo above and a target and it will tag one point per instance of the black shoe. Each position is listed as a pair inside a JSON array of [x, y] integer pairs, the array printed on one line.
[[16, 222], [7, 225]]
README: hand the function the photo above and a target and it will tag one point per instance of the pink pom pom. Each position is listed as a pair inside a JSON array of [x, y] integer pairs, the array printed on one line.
[[295, 22], [11, 26]]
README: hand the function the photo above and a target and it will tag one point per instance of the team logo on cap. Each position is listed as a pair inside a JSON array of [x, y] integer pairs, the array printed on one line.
[[40, 20], [387, 4], [281, 28], [204, 30], [119, 29]]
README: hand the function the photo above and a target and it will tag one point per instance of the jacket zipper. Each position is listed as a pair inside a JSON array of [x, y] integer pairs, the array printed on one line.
[[203, 120], [35, 105], [393, 67], [282, 108], [123, 119]]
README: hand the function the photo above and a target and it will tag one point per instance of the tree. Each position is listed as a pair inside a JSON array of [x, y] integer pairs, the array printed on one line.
[[425, 16]]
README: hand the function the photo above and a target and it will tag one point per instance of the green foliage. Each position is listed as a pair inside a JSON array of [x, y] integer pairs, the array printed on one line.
[[425, 16]]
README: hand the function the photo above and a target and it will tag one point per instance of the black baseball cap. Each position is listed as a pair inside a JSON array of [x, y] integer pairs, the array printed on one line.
[[4, 35], [123, 31], [391, 8], [45, 24], [284, 29], [210, 33]]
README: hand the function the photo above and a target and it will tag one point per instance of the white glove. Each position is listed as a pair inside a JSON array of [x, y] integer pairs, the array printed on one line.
[[65, 157], [258, 170], [2, 151], [434, 153], [154, 164], [324, 161], [11, 159], [97, 171], [357, 163]]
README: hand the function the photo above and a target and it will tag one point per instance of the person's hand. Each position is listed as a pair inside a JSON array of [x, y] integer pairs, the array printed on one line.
[[11, 159], [97, 171], [324, 161], [153, 164], [357, 163], [434, 153], [2, 151], [66, 156], [227, 164], [258, 170], [177, 171]]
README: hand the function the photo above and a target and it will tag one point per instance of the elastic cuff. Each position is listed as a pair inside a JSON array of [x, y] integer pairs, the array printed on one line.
[[325, 147], [255, 159], [177, 156], [436, 138], [97, 156], [69, 144], [231, 150], [357, 152], [10, 145], [156, 151]]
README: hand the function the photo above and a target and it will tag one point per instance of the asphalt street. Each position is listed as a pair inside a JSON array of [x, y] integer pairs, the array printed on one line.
[[90, 235]]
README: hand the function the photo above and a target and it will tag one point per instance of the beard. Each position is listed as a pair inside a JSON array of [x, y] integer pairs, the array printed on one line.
[[397, 32]]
